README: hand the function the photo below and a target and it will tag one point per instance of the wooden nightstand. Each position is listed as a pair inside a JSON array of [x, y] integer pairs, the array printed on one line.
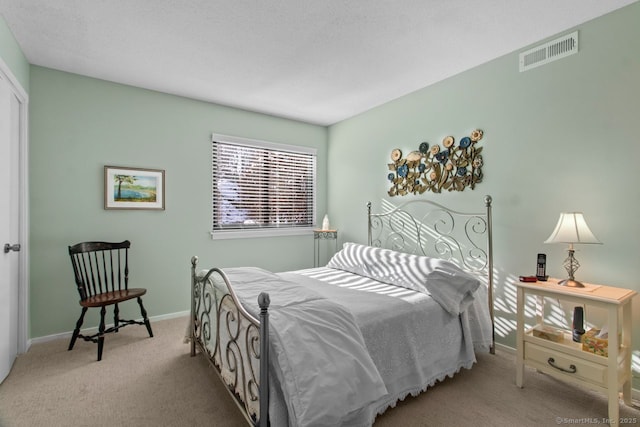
[[566, 359]]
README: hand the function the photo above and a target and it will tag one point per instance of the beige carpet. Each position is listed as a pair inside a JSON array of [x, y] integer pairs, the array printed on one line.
[[144, 381]]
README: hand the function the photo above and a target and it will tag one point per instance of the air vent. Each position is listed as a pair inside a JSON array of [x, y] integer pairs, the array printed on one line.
[[549, 52]]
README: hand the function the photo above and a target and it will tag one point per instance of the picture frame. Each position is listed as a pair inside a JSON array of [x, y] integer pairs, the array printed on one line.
[[133, 188]]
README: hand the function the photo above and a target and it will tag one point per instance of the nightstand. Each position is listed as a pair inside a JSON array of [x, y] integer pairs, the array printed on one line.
[[566, 359], [322, 235]]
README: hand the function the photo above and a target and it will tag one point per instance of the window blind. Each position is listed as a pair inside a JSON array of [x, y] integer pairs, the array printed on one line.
[[261, 185]]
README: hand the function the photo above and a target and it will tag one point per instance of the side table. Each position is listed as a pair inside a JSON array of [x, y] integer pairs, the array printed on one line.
[[322, 235], [566, 359]]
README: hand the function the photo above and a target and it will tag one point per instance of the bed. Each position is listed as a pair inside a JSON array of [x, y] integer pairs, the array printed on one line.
[[341, 344]]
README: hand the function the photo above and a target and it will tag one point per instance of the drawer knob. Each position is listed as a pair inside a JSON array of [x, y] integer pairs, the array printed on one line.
[[572, 368]]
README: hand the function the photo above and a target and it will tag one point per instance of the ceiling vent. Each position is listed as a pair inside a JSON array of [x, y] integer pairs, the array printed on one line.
[[549, 52]]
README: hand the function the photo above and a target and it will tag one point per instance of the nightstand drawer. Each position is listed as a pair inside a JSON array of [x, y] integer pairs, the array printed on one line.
[[554, 361]]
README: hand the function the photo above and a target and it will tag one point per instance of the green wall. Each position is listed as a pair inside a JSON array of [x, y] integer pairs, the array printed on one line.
[[80, 124], [12, 55], [561, 137]]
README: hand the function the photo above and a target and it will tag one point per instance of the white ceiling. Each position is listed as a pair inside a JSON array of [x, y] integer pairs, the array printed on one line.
[[311, 60]]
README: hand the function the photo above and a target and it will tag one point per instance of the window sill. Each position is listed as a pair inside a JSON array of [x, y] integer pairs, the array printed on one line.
[[268, 232]]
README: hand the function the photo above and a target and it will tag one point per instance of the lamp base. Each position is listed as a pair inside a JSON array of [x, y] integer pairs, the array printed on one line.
[[570, 283]]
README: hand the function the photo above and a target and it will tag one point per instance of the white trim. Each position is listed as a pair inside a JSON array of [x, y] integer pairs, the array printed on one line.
[[506, 348], [23, 295], [235, 233], [264, 232], [90, 331], [17, 87], [217, 137]]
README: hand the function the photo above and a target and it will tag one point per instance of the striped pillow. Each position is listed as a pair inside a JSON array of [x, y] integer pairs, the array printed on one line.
[[424, 274]]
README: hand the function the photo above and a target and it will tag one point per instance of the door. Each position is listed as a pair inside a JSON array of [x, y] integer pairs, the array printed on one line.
[[9, 225]]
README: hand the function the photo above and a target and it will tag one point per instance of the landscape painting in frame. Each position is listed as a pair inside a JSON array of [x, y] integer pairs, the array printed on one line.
[[133, 188]]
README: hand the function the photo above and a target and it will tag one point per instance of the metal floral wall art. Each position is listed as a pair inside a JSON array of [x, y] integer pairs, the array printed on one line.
[[452, 167]]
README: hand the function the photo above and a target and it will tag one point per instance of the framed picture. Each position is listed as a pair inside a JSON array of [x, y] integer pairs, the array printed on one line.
[[133, 188]]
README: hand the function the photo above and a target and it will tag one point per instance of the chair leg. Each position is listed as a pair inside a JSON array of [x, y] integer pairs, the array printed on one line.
[[144, 316], [103, 311], [116, 317], [76, 331]]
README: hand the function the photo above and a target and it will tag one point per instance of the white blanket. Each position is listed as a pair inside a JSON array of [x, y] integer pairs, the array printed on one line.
[[327, 359], [315, 344], [412, 340]]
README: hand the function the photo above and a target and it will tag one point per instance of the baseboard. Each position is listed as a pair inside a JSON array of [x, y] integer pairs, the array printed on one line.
[[635, 393], [91, 331], [505, 348]]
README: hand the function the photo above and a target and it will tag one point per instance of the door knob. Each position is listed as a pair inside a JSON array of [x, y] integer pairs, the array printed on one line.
[[8, 248]]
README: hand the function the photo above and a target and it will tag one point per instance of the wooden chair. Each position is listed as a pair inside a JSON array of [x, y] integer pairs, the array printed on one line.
[[101, 271]]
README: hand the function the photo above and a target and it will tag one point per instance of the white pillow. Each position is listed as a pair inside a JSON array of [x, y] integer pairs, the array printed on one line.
[[444, 281]]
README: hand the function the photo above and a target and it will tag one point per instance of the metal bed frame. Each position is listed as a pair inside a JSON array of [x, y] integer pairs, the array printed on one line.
[[463, 238]]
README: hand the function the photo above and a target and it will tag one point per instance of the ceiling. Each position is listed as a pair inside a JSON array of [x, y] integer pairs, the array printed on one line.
[[310, 60]]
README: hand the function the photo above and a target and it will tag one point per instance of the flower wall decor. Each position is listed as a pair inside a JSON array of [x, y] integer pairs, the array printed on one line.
[[452, 167]]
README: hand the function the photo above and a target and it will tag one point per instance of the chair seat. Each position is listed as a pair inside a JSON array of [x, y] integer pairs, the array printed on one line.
[[114, 297]]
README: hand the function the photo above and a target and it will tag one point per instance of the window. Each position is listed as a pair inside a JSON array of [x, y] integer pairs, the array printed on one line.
[[261, 188]]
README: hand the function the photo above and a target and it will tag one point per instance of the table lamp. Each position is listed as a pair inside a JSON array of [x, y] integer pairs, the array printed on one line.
[[572, 229]]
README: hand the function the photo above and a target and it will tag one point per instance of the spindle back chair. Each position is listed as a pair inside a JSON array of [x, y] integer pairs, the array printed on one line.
[[101, 271]]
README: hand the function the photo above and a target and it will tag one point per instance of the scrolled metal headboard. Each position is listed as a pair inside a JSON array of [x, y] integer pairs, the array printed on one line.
[[424, 227]]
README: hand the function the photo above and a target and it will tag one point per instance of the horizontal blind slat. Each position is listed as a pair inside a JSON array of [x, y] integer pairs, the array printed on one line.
[[261, 187]]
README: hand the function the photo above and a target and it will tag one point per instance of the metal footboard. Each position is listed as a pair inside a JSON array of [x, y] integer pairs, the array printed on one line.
[[234, 342]]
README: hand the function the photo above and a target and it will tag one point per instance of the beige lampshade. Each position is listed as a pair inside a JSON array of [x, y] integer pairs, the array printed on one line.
[[572, 228]]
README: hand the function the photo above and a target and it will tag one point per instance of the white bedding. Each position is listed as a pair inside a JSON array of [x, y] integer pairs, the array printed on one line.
[[314, 343], [412, 341], [477, 313]]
